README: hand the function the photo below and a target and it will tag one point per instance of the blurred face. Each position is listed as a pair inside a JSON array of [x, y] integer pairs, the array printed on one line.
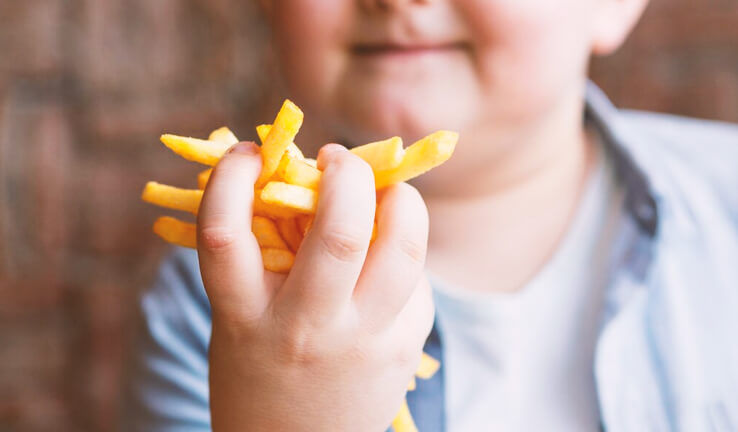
[[369, 69]]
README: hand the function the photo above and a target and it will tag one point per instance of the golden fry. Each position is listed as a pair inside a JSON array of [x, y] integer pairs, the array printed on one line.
[[304, 223], [297, 172], [413, 385], [283, 132], [263, 132], [420, 157], [266, 233], [223, 135], [381, 155], [203, 178], [312, 162], [176, 231], [297, 198], [277, 260], [269, 210], [428, 366], [292, 149], [403, 422], [172, 197], [290, 233], [196, 150]]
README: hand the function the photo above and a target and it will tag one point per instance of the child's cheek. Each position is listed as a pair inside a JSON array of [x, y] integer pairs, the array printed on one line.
[[526, 48], [309, 38]]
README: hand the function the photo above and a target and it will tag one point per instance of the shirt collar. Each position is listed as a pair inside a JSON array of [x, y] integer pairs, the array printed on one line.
[[640, 200]]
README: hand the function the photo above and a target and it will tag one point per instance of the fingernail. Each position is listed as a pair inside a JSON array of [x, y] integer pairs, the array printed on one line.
[[334, 148], [245, 147]]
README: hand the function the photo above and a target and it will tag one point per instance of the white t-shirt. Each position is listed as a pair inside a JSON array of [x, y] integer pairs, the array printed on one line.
[[524, 361]]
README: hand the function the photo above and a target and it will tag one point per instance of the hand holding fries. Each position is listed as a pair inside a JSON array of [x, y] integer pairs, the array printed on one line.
[[344, 308], [332, 344]]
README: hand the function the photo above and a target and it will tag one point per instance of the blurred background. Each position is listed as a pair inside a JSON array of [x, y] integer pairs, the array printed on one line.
[[87, 86]]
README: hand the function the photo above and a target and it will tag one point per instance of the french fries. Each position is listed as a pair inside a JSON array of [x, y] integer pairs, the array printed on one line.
[[203, 177], [403, 422], [266, 233], [281, 134], [428, 367], [176, 231], [196, 150], [297, 198], [277, 260], [423, 155], [286, 194], [223, 135], [172, 197], [290, 233], [381, 155], [298, 172]]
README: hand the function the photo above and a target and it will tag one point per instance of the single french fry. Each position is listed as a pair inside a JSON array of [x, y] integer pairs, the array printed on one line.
[[277, 260], [263, 131], [172, 197], [381, 155], [266, 233], [283, 132], [292, 149], [297, 198], [428, 366], [223, 135], [413, 384], [269, 210], [304, 223], [420, 157], [203, 178], [312, 162], [176, 231], [290, 233], [403, 422], [196, 150], [297, 172]]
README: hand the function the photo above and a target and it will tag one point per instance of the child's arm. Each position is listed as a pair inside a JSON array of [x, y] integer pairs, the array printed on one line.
[[332, 345]]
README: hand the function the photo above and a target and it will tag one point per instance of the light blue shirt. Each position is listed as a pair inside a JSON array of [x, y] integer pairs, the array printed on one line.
[[666, 355], [507, 354]]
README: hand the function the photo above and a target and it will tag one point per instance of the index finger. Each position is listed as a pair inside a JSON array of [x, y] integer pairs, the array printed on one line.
[[230, 260]]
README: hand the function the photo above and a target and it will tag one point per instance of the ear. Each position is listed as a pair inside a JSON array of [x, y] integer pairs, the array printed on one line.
[[613, 22]]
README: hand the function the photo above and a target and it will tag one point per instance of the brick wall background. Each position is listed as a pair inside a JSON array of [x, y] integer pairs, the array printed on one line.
[[86, 86]]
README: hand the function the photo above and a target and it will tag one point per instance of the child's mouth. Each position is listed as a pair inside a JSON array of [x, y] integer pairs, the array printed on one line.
[[395, 50]]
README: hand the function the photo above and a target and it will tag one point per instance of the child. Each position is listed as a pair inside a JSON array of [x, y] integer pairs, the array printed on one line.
[[582, 260]]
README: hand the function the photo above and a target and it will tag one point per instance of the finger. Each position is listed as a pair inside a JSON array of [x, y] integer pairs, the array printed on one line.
[[395, 261], [415, 320], [331, 256], [230, 260]]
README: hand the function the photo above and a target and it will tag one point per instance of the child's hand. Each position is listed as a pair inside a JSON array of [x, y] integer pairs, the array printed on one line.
[[333, 345]]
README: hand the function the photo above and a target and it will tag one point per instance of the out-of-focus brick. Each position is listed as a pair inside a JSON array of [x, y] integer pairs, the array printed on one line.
[[29, 39], [35, 154]]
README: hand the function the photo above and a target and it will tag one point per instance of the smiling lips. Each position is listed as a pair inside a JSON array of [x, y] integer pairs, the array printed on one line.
[[369, 50]]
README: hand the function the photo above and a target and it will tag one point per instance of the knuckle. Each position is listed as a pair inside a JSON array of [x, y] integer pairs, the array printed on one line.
[[216, 238], [299, 347], [408, 355], [342, 244], [412, 249]]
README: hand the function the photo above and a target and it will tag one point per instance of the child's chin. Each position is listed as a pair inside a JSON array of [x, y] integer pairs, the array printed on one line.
[[409, 118]]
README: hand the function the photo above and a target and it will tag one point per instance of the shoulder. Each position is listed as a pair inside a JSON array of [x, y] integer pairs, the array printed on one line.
[[684, 156]]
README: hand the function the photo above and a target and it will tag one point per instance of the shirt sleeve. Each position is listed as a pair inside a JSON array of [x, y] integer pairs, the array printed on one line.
[[167, 387]]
